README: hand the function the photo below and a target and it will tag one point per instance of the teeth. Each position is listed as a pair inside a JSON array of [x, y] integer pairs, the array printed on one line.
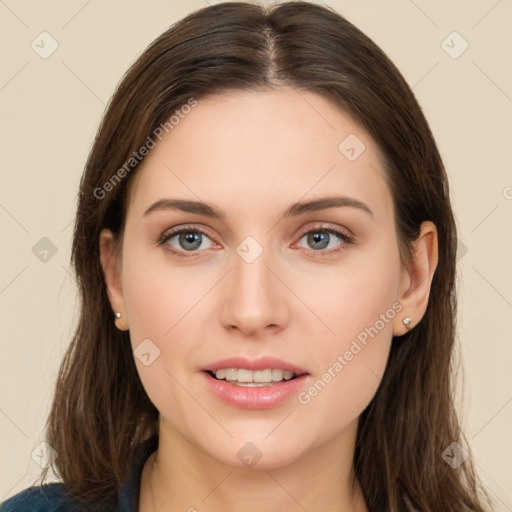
[[277, 375], [220, 374], [243, 376], [231, 374], [260, 376]]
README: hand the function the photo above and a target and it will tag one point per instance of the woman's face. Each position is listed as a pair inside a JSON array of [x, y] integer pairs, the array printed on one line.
[[266, 277]]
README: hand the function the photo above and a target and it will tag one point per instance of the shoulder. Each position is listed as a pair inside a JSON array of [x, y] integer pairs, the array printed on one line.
[[45, 498], [52, 497]]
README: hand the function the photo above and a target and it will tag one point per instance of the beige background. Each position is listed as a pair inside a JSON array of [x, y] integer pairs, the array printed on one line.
[[50, 109]]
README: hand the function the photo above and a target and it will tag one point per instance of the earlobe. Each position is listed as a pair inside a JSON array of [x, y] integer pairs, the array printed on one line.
[[416, 281], [110, 263]]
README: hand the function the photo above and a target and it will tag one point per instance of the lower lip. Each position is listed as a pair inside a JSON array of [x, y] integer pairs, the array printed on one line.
[[264, 397]]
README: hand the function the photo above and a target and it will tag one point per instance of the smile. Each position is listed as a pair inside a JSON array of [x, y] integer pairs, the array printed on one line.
[[250, 378]]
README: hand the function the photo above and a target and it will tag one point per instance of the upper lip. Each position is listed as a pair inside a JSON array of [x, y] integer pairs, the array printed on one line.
[[263, 363]]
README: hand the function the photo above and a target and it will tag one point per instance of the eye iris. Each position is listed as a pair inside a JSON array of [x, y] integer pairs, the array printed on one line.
[[190, 237], [319, 237], [191, 240]]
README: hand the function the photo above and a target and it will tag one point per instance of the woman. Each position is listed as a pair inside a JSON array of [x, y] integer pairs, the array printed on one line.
[[265, 252]]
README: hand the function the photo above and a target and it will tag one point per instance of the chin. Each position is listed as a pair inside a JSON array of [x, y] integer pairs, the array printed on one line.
[[258, 453]]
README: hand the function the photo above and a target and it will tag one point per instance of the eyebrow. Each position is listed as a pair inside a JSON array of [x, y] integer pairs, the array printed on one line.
[[299, 208]]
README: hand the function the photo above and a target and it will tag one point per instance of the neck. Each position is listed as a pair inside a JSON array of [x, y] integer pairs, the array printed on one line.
[[184, 478]]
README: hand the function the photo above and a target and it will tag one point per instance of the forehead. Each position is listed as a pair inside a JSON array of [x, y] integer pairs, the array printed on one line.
[[251, 149]]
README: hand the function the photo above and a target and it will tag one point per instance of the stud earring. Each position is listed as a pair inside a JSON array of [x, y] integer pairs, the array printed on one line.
[[407, 322], [118, 315]]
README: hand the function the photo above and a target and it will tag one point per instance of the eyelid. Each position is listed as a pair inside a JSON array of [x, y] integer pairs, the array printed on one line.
[[178, 229], [322, 226]]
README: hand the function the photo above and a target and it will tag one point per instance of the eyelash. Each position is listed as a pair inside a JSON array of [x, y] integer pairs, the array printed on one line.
[[345, 237]]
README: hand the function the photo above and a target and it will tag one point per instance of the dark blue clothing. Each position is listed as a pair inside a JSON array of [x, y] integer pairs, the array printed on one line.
[[52, 497]]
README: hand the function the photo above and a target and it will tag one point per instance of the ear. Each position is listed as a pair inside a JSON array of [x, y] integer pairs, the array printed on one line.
[[111, 264], [414, 289]]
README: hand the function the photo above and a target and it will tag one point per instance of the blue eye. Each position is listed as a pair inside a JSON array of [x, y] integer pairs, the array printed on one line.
[[189, 240], [324, 238]]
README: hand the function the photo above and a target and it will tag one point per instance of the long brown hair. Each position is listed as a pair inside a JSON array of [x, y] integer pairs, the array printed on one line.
[[101, 411]]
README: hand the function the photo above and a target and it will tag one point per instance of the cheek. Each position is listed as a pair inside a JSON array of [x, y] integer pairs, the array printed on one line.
[[164, 304], [359, 306], [366, 300], [157, 300], [352, 296], [158, 295]]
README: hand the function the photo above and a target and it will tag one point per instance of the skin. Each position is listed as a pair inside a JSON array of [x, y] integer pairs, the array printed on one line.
[[252, 155]]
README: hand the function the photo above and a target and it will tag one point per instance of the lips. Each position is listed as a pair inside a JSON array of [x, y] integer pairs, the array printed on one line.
[[253, 395], [262, 363]]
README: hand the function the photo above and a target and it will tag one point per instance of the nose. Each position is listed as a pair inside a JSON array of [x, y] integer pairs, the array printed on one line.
[[254, 299]]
